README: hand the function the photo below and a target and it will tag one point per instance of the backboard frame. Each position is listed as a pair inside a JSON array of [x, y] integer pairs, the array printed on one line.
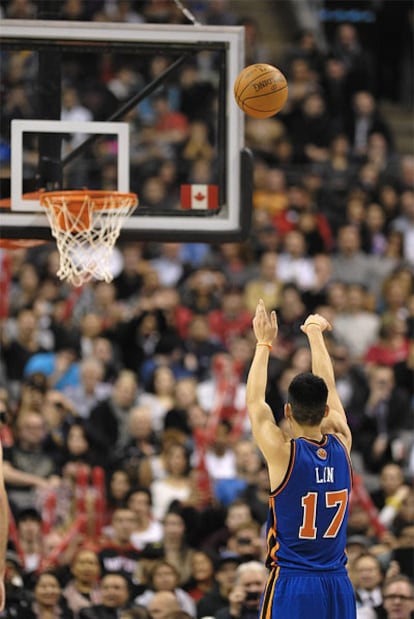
[[233, 221]]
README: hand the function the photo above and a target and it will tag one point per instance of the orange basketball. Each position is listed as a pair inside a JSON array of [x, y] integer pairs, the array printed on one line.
[[260, 90]]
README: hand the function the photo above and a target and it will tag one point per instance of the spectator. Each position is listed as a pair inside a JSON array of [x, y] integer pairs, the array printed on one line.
[[147, 529], [220, 457], [17, 348], [270, 195], [82, 590], [159, 395], [91, 390], [202, 578], [235, 262], [237, 513], [391, 345], [173, 546], [168, 264], [60, 367], [405, 223], [293, 264], [115, 592], [129, 281], [266, 286], [357, 326], [119, 485], [24, 292], [232, 319], [365, 119], [302, 82], [224, 391], [27, 466], [392, 489], [163, 604], [306, 45], [316, 296], [246, 542], [30, 539], [403, 551], [311, 130], [256, 494], [116, 553], [404, 371], [351, 383], [201, 346], [17, 594], [176, 485], [245, 596], [73, 110], [218, 597], [398, 595], [386, 413], [164, 577], [170, 126], [47, 600], [108, 421], [77, 448], [291, 311], [369, 578], [142, 443], [350, 264]]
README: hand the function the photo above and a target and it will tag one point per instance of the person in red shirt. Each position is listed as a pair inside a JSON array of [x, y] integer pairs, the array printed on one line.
[[232, 318], [392, 345]]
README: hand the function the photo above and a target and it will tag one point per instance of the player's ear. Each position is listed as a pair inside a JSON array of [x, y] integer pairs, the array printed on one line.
[[287, 410], [326, 411]]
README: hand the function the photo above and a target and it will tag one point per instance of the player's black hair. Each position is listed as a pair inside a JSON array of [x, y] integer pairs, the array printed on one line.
[[307, 396]]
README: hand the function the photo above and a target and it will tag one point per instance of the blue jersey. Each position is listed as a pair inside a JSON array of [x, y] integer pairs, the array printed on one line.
[[307, 521]]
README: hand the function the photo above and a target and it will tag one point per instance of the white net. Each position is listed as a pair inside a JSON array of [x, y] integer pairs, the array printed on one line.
[[86, 226]]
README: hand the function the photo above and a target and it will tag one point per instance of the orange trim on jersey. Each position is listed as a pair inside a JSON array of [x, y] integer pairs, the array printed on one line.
[[266, 610], [271, 534]]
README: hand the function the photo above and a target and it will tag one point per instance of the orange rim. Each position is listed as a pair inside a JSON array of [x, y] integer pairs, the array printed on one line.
[[75, 198], [32, 195], [20, 243]]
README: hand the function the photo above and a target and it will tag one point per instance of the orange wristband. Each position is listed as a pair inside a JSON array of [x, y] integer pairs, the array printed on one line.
[[268, 344]]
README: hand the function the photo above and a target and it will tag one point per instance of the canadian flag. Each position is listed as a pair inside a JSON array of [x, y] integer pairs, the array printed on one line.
[[199, 197]]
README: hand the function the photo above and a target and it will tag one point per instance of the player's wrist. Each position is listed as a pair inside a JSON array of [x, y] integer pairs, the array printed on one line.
[[264, 343]]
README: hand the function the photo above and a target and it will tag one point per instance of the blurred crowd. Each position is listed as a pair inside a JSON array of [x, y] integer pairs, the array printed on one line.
[[135, 487]]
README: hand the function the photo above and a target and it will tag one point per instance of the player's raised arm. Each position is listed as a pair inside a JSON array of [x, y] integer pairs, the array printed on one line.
[[264, 428], [335, 422]]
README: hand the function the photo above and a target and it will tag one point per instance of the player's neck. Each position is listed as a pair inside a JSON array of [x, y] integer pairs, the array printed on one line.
[[313, 433]]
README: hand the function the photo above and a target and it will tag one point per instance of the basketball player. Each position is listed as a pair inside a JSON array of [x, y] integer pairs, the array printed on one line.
[[310, 479], [4, 530]]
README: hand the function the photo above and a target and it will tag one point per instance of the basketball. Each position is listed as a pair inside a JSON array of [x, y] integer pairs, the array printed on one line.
[[260, 90]]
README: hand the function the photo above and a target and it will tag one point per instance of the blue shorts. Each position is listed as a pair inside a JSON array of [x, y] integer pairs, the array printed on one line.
[[290, 594]]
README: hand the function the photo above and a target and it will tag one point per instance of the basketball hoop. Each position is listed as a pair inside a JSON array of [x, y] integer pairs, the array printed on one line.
[[86, 225]]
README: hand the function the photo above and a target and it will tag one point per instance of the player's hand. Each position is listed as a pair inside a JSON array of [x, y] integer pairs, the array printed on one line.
[[318, 320], [264, 326]]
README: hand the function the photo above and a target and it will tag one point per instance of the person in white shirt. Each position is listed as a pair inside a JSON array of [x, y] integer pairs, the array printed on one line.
[[148, 530], [369, 578]]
